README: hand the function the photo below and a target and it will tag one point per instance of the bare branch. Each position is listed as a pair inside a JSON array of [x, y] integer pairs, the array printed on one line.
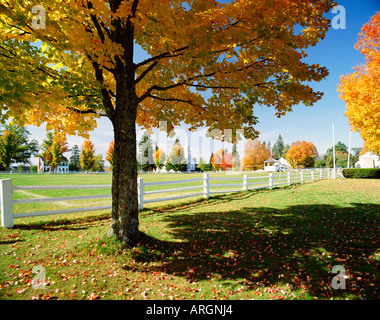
[[169, 54], [87, 111]]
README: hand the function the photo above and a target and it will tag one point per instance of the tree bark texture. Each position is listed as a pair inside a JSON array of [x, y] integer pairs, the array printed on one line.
[[125, 214]]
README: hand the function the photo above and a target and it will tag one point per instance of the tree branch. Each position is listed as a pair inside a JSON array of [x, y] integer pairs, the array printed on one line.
[[145, 72], [87, 111], [168, 54], [106, 97]]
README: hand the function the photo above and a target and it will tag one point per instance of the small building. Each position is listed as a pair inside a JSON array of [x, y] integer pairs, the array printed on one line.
[[274, 165], [368, 160], [284, 164], [63, 167], [271, 165], [42, 166]]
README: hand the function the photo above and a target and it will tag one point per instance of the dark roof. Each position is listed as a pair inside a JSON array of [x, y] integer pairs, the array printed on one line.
[[270, 160]]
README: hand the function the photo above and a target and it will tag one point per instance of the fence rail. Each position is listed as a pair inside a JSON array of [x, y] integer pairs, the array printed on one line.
[[269, 181]]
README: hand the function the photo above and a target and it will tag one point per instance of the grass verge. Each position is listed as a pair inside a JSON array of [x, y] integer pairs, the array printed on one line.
[[265, 244]]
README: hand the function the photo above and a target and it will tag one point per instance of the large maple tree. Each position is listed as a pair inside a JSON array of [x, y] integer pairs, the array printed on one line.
[[360, 89], [255, 153], [208, 63], [302, 154]]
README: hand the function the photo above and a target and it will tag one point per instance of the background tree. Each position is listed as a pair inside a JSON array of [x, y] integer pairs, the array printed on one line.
[[222, 160], [255, 153], [74, 164], [302, 154], [228, 161], [15, 146], [209, 66], [145, 155], [109, 155], [99, 163], [285, 150], [87, 156], [176, 159], [236, 158], [278, 147], [341, 156], [58, 148], [159, 158], [203, 166], [360, 89], [217, 159], [53, 149], [46, 148]]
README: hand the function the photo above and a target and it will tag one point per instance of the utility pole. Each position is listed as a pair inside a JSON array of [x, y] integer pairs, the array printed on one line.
[[349, 151], [333, 124]]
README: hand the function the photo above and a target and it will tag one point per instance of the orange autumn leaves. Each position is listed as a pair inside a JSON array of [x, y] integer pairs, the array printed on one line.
[[302, 154], [222, 160], [87, 155], [255, 153], [360, 89], [243, 52]]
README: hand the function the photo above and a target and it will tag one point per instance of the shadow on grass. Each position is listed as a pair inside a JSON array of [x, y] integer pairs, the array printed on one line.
[[259, 246], [265, 246], [63, 223]]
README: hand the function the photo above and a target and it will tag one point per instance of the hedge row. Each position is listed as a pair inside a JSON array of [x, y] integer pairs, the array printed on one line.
[[372, 173]]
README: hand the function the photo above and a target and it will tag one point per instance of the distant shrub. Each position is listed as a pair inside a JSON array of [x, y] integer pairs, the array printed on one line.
[[372, 173]]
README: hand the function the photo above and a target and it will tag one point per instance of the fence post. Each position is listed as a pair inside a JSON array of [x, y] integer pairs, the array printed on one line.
[[270, 180], [321, 174], [206, 186], [328, 173], [289, 181], [245, 182], [302, 179], [312, 175], [140, 189], [6, 203]]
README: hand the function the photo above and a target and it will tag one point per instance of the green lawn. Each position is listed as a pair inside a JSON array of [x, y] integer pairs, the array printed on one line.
[[266, 244], [102, 179]]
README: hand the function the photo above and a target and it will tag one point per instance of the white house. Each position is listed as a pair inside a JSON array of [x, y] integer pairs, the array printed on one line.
[[271, 165], [43, 167], [63, 167], [368, 160], [284, 164]]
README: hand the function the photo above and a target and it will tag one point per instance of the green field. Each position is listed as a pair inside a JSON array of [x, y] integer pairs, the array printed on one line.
[[104, 179], [262, 244]]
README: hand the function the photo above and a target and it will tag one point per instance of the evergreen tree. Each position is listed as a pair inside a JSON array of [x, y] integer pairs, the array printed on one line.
[[236, 158], [74, 164], [278, 147]]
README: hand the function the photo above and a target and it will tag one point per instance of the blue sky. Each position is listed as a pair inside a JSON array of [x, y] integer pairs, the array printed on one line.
[[314, 124]]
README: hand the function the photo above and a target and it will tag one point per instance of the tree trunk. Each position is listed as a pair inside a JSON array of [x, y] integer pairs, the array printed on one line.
[[125, 212]]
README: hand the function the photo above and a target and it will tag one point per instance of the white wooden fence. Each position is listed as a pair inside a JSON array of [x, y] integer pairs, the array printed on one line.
[[205, 187]]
